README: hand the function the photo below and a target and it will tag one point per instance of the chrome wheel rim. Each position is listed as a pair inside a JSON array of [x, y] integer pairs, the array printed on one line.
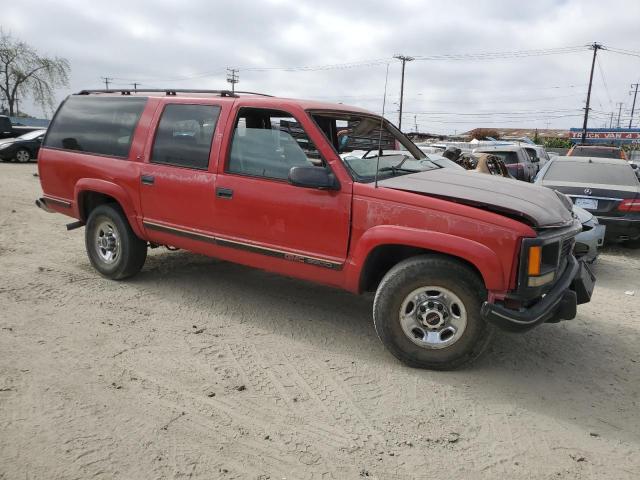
[[107, 242], [23, 156], [433, 317]]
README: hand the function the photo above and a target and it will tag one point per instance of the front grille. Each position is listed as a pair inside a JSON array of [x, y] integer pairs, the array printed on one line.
[[567, 246]]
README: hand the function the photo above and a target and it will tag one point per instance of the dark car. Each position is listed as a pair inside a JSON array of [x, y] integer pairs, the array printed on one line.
[[23, 148], [600, 151], [606, 187]]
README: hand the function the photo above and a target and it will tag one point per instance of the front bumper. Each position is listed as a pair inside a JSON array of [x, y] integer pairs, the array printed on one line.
[[573, 288], [621, 228], [588, 242]]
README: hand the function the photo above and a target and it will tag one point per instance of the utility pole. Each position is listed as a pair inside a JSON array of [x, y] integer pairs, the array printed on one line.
[[107, 81], [595, 47], [415, 121], [232, 78], [619, 111], [633, 105], [404, 59], [611, 121], [135, 86]]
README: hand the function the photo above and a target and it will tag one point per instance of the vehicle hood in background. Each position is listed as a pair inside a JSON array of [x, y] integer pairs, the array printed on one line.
[[539, 206]]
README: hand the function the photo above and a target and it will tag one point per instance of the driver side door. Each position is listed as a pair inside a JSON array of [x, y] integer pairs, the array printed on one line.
[[258, 210]]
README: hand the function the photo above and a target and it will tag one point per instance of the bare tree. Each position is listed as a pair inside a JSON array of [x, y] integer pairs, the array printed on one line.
[[24, 72]]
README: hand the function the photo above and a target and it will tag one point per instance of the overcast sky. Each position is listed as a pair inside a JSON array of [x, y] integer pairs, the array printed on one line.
[[189, 44]]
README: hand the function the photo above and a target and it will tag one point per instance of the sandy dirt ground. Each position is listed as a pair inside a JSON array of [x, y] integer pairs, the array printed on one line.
[[203, 369]]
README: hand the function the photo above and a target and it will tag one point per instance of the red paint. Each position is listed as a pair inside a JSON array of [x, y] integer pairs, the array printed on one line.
[[335, 229]]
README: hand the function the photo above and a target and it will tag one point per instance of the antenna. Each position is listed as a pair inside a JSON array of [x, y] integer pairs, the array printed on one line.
[[384, 103]]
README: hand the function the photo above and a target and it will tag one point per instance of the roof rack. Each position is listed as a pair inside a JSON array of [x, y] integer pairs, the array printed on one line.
[[171, 92]]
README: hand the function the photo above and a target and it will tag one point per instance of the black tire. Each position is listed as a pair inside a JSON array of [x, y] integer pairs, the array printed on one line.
[[23, 156], [130, 252], [431, 270]]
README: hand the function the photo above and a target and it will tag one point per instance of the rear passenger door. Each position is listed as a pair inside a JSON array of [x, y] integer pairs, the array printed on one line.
[[177, 181], [258, 210]]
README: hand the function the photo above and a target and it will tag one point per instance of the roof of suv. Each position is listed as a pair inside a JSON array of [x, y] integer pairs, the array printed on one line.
[[228, 96]]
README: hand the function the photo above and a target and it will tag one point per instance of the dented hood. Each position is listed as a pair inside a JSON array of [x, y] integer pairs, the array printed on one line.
[[539, 206]]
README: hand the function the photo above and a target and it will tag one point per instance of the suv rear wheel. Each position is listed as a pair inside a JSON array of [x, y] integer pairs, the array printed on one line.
[[113, 249], [427, 313]]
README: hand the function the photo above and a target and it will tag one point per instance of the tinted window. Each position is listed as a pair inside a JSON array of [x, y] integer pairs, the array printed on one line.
[[509, 158], [267, 143], [184, 135], [596, 152], [583, 172], [96, 125], [5, 124]]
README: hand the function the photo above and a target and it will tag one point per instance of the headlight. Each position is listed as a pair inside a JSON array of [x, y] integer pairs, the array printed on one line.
[[542, 261]]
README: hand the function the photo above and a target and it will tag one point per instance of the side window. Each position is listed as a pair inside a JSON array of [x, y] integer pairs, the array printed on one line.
[[267, 143], [100, 125], [184, 135]]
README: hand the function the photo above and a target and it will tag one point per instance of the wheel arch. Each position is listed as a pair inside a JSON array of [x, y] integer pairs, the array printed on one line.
[[380, 248], [89, 193]]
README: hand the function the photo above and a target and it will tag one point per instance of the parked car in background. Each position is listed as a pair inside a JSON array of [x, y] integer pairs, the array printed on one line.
[[518, 161], [596, 151], [10, 130], [605, 187], [23, 148], [591, 238]]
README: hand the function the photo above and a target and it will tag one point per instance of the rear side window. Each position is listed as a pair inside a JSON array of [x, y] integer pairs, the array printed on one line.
[[509, 158], [102, 126], [184, 135]]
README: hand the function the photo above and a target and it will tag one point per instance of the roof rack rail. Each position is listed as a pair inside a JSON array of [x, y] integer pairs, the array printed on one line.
[[169, 91]]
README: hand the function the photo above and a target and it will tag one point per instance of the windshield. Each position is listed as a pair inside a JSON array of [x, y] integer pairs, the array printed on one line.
[[365, 143], [31, 135]]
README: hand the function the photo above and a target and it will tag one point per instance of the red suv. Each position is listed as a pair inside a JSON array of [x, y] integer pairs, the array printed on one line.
[[272, 183]]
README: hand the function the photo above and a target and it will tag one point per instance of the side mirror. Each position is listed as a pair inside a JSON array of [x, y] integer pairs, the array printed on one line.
[[634, 165], [313, 177]]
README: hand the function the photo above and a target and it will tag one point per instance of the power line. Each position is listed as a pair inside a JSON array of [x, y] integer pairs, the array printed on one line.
[[404, 59], [107, 81], [595, 47], [619, 112], [633, 106], [232, 78]]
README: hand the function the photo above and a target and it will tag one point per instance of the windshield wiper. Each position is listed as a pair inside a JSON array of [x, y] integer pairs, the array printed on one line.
[[398, 167]]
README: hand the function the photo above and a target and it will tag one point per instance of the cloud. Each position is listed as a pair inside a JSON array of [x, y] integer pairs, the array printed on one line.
[[190, 44]]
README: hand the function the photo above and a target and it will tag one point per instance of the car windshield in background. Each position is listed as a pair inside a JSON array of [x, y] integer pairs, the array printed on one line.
[[509, 158], [591, 173], [365, 143], [596, 152], [31, 135]]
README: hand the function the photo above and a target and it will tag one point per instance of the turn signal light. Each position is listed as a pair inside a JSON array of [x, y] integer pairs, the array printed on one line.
[[535, 260], [629, 205]]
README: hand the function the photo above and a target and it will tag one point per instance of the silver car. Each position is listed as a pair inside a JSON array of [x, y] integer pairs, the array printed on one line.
[[590, 239]]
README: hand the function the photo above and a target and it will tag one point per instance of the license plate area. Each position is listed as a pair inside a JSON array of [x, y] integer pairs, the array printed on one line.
[[587, 203]]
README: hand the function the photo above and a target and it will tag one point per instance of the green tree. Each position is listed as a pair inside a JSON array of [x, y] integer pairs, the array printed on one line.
[[24, 72]]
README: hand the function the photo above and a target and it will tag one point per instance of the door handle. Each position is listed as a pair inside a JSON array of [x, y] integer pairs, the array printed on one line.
[[147, 179], [224, 193]]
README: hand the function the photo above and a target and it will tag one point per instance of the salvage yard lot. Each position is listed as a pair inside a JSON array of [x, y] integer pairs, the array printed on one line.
[[203, 369]]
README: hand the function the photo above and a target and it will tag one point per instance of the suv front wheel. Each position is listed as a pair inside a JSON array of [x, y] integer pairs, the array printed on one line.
[[113, 249], [427, 313]]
